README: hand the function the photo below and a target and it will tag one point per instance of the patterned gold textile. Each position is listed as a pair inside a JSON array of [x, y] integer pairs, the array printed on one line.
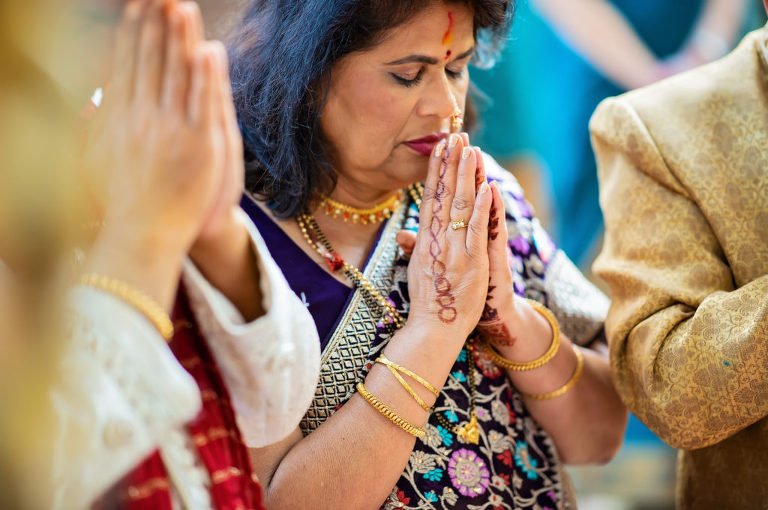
[[683, 167]]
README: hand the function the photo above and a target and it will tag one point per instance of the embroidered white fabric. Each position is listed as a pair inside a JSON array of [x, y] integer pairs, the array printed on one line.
[[119, 392], [270, 365], [122, 393]]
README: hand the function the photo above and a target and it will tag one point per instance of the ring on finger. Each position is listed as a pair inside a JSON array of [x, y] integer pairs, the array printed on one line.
[[457, 224]]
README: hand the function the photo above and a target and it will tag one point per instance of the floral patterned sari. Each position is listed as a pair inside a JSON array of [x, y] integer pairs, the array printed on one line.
[[515, 464]]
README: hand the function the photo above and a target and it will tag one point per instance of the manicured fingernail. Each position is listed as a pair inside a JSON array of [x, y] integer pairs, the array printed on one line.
[[439, 148], [453, 140], [484, 187], [466, 152]]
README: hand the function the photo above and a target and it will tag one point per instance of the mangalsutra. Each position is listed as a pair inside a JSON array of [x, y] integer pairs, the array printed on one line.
[[375, 214], [468, 431], [336, 262]]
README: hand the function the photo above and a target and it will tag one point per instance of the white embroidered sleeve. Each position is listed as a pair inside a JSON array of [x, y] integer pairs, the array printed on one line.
[[271, 365], [119, 392]]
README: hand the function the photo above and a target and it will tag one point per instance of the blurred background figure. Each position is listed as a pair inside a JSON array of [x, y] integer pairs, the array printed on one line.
[[562, 59], [89, 388], [38, 213]]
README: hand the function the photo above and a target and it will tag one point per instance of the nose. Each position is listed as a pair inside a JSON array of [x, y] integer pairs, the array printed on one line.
[[439, 100]]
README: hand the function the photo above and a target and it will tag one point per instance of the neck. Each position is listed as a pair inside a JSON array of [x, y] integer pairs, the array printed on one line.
[[359, 195]]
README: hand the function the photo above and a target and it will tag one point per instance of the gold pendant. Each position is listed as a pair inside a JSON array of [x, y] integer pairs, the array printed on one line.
[[469, 432]]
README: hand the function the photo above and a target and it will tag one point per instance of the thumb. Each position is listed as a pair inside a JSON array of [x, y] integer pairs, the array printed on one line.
[[407, 241]]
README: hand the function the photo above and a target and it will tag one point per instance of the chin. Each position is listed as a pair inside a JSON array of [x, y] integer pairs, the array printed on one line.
[[412, 171]]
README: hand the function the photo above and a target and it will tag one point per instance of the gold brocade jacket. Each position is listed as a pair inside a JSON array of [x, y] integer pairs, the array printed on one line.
[[683, 168]]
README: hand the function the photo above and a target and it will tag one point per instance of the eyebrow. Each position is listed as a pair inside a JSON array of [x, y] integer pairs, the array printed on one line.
[[423, 59]]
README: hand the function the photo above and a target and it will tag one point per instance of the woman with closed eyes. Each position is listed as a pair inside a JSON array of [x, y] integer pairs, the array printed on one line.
[[459, 345]]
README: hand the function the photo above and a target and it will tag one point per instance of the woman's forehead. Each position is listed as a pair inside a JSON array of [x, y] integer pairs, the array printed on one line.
[[438, 29]]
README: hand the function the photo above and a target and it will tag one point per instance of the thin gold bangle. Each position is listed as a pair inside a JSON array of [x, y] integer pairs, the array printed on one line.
[[408, 388], [385, 361], [537, 363], [567, 386], [143, 303], [388, 413]]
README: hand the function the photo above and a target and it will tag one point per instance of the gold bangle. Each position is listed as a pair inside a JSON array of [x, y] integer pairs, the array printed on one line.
[[545, 358], [385, 361], [389, 413], [408, 388], [567, 386], [143, 303]]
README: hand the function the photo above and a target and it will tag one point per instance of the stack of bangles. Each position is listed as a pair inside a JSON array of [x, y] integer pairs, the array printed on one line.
[[137, 299], [544, 359], [385, 410]]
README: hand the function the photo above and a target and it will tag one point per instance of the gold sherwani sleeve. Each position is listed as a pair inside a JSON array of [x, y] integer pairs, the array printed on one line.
[[689, 350]]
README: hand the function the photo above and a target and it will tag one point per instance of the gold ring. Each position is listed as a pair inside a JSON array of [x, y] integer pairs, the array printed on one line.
[[457, 224]]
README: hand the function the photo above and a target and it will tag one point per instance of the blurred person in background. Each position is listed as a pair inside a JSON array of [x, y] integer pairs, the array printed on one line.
[[683, 167], [565, 56], [144, 410], [37, 223]]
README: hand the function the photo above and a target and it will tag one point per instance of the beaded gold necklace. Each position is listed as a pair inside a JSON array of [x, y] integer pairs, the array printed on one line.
[[375, 214], [469, 431]]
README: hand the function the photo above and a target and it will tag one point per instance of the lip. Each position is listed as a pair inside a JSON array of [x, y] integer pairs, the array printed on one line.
[[426, 144]]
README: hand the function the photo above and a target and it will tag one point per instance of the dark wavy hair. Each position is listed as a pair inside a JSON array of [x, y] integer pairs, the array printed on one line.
[[281, 59]]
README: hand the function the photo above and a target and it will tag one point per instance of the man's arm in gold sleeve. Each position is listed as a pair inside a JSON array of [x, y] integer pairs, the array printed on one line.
[[689, 352]]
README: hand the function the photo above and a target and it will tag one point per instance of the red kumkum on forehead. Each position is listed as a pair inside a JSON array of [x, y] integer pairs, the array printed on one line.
[[448, 36]]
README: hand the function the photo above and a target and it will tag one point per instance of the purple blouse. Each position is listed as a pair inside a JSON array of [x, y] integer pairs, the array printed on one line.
[[325, 297]]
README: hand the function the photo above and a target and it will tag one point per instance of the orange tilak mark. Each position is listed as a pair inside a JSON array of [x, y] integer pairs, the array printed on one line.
[[448, 36]]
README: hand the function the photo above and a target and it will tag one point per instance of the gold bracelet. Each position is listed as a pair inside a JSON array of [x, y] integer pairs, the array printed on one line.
[[545, 358], [389, 413], [143, 303], [385, 361], [567, 386], [408, 388]]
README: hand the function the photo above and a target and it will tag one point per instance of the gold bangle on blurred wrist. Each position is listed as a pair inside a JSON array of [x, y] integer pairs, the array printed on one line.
[[537, 363], [137, 299], [567, 386], [388, 413]]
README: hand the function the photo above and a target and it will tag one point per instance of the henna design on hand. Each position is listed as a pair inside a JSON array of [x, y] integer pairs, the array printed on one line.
[[491, 327], [493, 224], [445, 298]]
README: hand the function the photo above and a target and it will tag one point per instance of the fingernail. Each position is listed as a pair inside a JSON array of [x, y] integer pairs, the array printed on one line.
[[439, 148], [484, 187], [453, 140], [466, 152]]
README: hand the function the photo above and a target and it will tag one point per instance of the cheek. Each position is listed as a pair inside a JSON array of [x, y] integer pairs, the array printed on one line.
[[365, 118]]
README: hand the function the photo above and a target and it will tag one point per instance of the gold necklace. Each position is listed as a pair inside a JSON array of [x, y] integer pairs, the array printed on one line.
[[375, 214], [335, 262], [469, 431]]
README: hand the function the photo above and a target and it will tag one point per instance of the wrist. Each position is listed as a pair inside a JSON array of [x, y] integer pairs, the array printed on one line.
[[141, 262], [231, 236], [530, 332], [433, 332], [229, 262]]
